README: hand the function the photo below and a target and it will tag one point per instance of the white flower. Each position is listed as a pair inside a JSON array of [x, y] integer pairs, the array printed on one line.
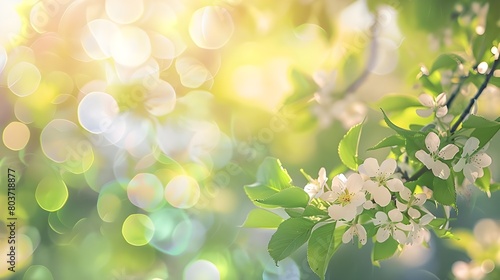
[[348, 196], [412, 203], [391, 225], [315, 187], [380, 182], [437, 105], [431, 160], [418, 233], [355, 230], [472, 162]]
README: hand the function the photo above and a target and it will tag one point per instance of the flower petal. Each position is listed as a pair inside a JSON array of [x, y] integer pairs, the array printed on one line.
[[405, 194], [441, 111], [414, 213], [381, 195], [440, 170], [470, 146], [395, 215], [399, 236], [395, 185], [330, 196], [471, 172], [361, 232], [481, 160], [335, 212], [432, 142], [426, 219], [426, 100], [369, 167], [380, 218], [401, 206], [387, 167], [448, 152], [354, 182], [382, 235], [347, 236], [424, 113], [425, 158], [460, 165], [419, 199], [441, 99]]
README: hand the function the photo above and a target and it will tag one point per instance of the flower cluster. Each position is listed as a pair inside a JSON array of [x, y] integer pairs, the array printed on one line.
[[377, 195]]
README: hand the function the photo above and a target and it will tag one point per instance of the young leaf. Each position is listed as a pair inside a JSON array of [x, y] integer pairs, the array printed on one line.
[[484, 182], [294, 212], [288, 198], [390, 141], [312, 210], [271, 179], [401, 131], [348, 147], [447, 61], [484, 129], [290, 235], [322, 245], [444, 190], [260, 218], [384, 250]]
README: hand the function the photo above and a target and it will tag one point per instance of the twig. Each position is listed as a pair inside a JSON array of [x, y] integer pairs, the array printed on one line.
[[417, 174], [474, 99], [456, 91]]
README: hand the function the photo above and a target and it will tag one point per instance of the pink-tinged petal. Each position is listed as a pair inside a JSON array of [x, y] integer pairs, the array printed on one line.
[[395, 215], [335, 211], [330, 196], [382, 235], [347, 212], [405, 194], [460, 165], [381, 195], [470, 146], [358, 199], [369, 167], [399, 236], [404, 226], [426, 100], [347, 236], [432, 142], [388, 167], [361, 232], [441, 99], [440, 170], [370, 185], [414, 213], [354, 182], [481, 160], [471, 172], [441, 111], [424, 113], [419, 199], [380, 218], [401, 206], [425, 158], [448, 152], [395, 185], [368, 205], [338, 183]]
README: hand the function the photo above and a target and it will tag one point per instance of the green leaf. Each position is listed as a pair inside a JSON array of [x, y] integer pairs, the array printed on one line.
[[432, 83], [401, 131], [444, 190], [384, 250], [447, 61], [290, 235], [390, 141], [312, 210], [484, 182], [397, 102], [271, 179], [294, 212], [324, 241], [474, 121], [288, 198], [348, 147], [260, 218]]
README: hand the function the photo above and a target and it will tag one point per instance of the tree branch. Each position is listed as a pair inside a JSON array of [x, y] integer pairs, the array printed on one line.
[[474, 99]]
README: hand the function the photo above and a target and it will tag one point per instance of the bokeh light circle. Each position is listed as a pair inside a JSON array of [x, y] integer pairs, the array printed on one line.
[[16, 135], [201, 270], [182, 192], [51, 193], [38, 272], [122, 13], [24, 79], [138, 229], [3, 58], [130, 46], [211, 27], [145, 191], [174, 231], [161, 99], [96, 111]]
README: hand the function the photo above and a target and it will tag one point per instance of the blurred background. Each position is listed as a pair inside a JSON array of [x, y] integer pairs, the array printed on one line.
[[133, 126]]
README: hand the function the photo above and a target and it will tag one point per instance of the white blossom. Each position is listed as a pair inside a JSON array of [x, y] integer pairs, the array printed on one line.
[[431, 159], [437, 105], [355, 230], [315, 188], [471, 163], [390, 225], [347, 197], [412, 203], [380, 183]]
